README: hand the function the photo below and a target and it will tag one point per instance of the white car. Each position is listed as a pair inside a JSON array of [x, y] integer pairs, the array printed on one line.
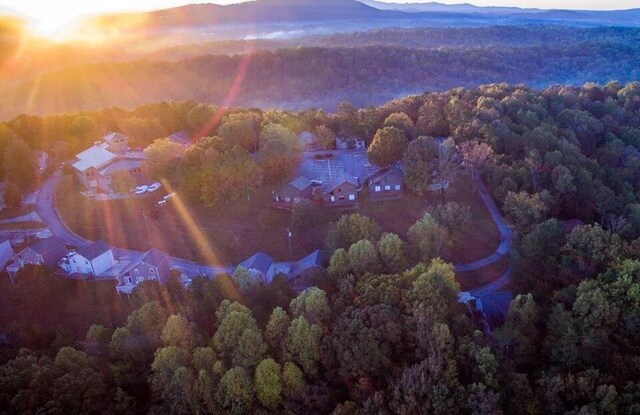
[[153, 187], [141, 189], [163, 202], [169, 196]]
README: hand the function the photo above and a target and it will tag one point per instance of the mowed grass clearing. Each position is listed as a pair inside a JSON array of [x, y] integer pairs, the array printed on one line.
[[227, 234]]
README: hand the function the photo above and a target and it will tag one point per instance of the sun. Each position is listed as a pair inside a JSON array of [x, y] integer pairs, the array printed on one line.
[[52, 26]]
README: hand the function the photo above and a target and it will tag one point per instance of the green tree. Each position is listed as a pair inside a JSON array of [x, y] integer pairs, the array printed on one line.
[[387, 147], [241, 129], [161, 157], [428, 238], [420, 163], [401, 121], [351, 229], [303, 344], [525, 210], [268, 383], [279, 159], [292, 377], [276, 331], [392, 252], [235, 392], [178, 332], [363, 258], [326, 137], [339, 265]]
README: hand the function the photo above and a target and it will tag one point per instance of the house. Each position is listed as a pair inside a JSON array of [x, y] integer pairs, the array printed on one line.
[[308, 141], [152, 266], [42, 252], [341, 192], [350, 143], [96, 166], [293, 193], [386, 184], [260, 266], [6, 252], [93, 259], [304, 272]]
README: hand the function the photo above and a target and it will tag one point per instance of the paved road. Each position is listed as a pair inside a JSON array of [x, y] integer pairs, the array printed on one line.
[[46, 208]]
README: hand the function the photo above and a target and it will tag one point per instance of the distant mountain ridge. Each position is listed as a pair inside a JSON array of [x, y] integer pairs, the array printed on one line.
[[252, 12]]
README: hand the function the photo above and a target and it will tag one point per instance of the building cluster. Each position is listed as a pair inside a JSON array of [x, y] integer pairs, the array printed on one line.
[[97, 166], [336, 178], [97, 262]]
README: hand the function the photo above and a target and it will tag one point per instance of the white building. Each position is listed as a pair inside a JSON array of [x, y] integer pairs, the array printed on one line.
[[93, 259]]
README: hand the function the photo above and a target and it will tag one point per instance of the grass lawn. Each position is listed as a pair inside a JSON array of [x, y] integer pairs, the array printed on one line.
[[13, 212], [474, 279], [24, 225], [230, 233]]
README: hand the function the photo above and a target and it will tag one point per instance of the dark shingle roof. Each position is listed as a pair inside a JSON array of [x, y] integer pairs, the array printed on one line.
[[154, 257], [94, 250], [333, 184], [43, 246], [300, 183], [385, 172], [317, 259], [260, 262]]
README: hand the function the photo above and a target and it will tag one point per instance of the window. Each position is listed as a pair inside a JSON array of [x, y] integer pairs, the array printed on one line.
[[152, 270], [387, 187], [332, 198], [296, 200], [287, 199], [128, 281], [352, 197], [398, 187], [136, 271], [139, 280], [377, 188]]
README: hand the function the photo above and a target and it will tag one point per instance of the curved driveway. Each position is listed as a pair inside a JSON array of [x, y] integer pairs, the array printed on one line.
[[46, 208]]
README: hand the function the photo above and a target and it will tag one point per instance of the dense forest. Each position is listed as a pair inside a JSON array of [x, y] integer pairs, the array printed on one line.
[[366, 68], [563, 163]]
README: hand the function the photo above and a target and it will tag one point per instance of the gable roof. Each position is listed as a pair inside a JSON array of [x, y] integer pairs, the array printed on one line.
[[42, 246], [181, 137], [260, 262], [300, 183], [94, 250], [112, 136], [385, 172], [6, 252], [333, 184], [317, 259], [95, 157], [154, 257]]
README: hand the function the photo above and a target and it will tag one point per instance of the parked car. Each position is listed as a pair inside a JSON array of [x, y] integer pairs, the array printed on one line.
[[141, 189], [154, 186], [169, 196], [163, 202]]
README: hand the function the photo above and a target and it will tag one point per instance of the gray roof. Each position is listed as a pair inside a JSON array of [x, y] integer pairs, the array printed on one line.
[[260, 262], [154, 257], [94, 250], [112, 136], [495, 306], [121, 165], [42, 246], [6, 252], [95, 157], [181, 137], [385, 172], [330, 186], [307, 137], [317, 259], [300, 183]]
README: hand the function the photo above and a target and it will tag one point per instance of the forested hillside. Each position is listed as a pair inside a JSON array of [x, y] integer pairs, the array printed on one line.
[[374, 335], [295, 78]]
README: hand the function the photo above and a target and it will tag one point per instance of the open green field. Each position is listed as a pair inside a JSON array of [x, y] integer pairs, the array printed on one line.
[[234, 232]]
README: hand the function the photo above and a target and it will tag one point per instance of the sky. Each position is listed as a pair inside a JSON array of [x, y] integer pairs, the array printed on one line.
[[51, 15]]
